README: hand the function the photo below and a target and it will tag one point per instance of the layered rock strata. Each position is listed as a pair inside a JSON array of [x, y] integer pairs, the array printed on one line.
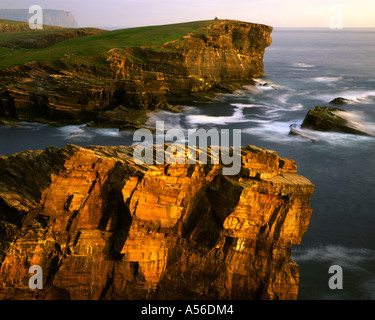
[[333, 119], [103, 227], [220, 58]]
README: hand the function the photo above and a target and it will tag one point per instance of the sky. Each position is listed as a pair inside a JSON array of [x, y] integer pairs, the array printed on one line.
[[277, 13]]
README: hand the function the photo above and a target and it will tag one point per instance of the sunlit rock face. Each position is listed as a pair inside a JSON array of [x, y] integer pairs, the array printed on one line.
[[103, 227], [123, 83]]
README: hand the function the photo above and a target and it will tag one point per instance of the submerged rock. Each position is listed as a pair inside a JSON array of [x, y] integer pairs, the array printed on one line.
[[333, 119], [341, 100], [104, 227], [120, 117]]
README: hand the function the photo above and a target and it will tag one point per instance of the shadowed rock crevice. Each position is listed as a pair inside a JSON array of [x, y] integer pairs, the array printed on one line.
[[223, 197], [10, 214], [116, 217], [107, 228]]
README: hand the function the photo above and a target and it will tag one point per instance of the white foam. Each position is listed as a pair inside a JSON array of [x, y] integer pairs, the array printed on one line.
[[274, 131], [221, 120], [357, 96], [74, 133], [295, 107], [31, 126], [273, 111], [70, 130], [107, 132], [336, 138], [262, 84], [170, 119], [348, 258], [355, 118], [327, 79], [283, 98], [303, 65], [279, 131], [247, 105], [83, 133], [246, 89], [258, 120]]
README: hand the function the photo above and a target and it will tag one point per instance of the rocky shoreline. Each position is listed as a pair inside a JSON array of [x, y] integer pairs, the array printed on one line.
[[222, 57], [104, 227]]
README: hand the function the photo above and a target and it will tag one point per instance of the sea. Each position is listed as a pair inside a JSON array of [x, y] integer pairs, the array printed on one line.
[[304, 68]]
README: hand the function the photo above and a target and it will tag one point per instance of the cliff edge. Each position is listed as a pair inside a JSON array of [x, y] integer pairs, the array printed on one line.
[[114, 78], [103, 227]]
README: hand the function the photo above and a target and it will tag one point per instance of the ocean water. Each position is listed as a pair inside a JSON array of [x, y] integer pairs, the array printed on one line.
[[303, 69]]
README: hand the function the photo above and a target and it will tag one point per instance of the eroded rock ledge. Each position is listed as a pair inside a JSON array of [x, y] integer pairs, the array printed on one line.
[[103, 227], [220, 58]]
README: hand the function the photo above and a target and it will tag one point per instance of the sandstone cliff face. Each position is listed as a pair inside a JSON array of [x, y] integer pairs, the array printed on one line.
[[103, 227], [220, 58]]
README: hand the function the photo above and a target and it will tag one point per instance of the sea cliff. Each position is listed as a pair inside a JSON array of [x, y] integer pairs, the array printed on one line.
[[116, 87], [103, 227]]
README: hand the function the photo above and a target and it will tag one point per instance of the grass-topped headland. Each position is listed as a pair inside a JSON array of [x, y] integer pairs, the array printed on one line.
[[89, 49], [77, 75]]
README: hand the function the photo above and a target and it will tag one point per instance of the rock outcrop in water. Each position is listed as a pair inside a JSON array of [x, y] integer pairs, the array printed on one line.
[[103, 227], [333, 119], [220, 58], [341, 100]]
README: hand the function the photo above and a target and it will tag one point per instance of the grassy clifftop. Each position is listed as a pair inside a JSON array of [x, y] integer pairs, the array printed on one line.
[[88, 49], [80, 75], [19, 26]]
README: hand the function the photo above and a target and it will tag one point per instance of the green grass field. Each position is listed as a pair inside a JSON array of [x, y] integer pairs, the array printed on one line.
[[90, 50], [11, 22]]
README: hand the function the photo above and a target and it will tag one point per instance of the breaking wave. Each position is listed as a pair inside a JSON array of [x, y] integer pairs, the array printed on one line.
[[278, 131], [82, 133], [31, 126], [360, 96], [303, 65], [262, 114], [327, 79], [171, 120], [220, 120]]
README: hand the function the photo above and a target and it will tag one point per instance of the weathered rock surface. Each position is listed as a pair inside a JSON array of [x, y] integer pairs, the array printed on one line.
[[333, 119], [341, 100], [103, 227], [224, 56]]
